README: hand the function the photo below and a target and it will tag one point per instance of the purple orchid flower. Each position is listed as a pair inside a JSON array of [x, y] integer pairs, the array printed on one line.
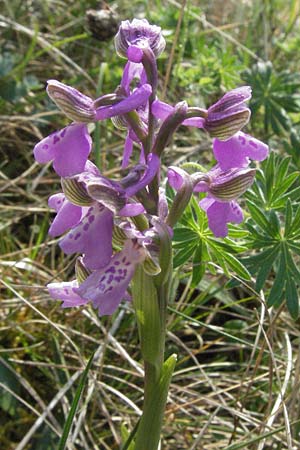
[[105, 287], [69, 148], [105, 199], [222, 188], [136, 36]]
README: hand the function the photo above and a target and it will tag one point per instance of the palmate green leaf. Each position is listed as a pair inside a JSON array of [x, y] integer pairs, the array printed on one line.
[[275, 183], [274, 95], [227, 261]]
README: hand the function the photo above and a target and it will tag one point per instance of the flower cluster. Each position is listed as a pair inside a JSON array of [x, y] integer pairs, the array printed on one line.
[[118, 224]]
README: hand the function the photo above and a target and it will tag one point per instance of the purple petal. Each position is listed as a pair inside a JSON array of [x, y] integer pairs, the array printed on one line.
[[255, 149], [219, 214], [138, 98], [128, 148], [235, 151], [163, 208], [67, 215], [68, 148], [202, 186], [153, 162], [197, 122], [142, 159], [132, 209], [107, 287], [161, 110], [135, 54], [66, 291], [175, 178], [92, 236], [131, 72]]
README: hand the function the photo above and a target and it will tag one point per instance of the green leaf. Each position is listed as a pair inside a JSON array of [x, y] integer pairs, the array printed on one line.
[[288, 218], [274, 225], [296, 222], [184, 235], [151, 421], [276, 292], [292, 300], [198, 265], [257, 215], [74, 406], [266, 264], [8, 402], [184, 254], [127, 437], [236, 266], [283, 186]]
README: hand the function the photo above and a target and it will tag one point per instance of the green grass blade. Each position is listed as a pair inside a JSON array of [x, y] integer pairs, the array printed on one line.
[[69, 421]]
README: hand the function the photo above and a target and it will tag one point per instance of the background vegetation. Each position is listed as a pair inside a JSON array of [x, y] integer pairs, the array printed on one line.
[[234, 318]]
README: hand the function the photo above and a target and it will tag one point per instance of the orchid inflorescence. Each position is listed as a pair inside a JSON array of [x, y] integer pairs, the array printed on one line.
[[117, 225]]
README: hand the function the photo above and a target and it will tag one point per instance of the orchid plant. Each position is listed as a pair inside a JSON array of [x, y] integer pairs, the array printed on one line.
[[123, 228]]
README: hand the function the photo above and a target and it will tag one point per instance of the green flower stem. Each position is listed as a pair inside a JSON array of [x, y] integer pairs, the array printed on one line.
[[150, 299]]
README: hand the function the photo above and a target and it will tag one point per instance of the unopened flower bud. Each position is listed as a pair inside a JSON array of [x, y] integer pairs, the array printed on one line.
[[74, 104], [229, 114], [137, 35]]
